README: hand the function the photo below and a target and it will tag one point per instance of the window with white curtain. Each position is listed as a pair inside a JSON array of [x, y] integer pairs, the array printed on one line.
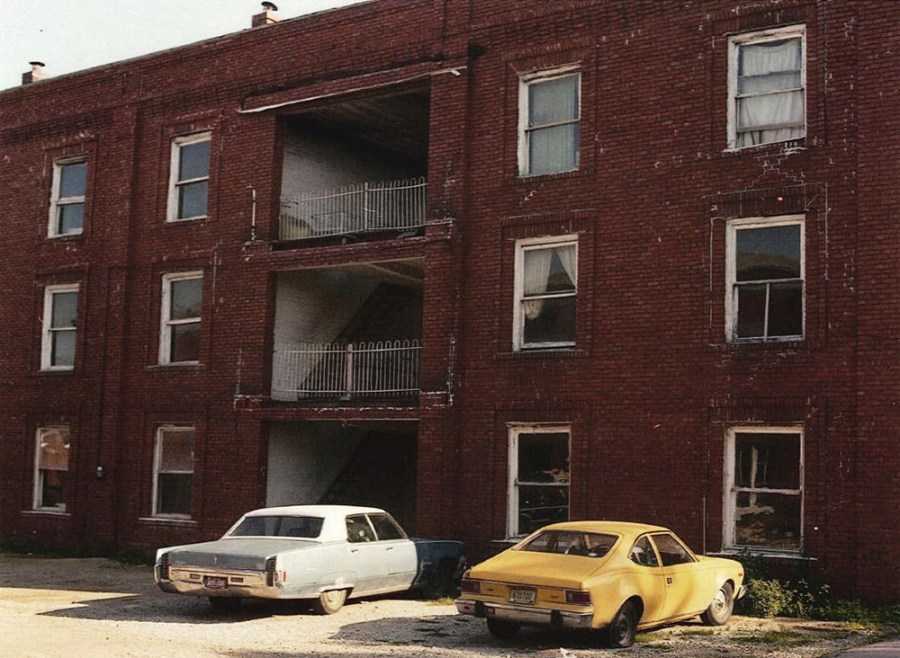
[[546, 288], [767, 87], [549, 122]]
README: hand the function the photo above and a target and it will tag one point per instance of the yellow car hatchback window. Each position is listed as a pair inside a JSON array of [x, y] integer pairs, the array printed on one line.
[[567, 542]]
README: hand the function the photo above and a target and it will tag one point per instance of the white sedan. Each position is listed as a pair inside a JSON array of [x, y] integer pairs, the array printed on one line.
[[324, 553]]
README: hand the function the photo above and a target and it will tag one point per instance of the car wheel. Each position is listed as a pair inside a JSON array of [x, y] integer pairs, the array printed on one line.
[[442, 581], [719, 611], [502, 630], [623, 627], [330, 602], [224, 604]]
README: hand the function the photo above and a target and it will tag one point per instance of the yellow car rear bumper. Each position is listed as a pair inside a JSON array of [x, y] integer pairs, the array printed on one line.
[[526, 615]]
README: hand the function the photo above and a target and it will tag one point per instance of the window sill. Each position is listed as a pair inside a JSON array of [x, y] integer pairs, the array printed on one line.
[[180, 365], [736, 552], [792, 145], [47, 513], [530, 179], [548, 353], [167, 521], [65, 236], [56, 371], [186, 220]]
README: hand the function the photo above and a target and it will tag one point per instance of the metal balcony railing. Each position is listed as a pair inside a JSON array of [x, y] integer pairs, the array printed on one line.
[[377, 369], [388, 205]]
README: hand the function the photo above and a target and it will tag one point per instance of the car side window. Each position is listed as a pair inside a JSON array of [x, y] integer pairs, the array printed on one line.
[[643, 553], [671, 551], [358, 529], [386, 527]]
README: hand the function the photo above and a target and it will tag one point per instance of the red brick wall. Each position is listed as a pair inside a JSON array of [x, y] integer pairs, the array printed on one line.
[[652, 385]]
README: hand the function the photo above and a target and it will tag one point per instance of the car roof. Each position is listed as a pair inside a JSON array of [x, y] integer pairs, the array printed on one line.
[[625, 528], [314, 510]]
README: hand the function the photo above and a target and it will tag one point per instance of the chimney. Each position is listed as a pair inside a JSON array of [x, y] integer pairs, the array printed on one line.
[[36, 73], [268, 16]]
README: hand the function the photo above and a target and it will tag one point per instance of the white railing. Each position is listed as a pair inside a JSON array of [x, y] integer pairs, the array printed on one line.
[[377, 369], [356, 208]]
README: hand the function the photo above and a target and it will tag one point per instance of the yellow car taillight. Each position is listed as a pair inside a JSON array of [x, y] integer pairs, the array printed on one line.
[[471, 586], [578, 597]]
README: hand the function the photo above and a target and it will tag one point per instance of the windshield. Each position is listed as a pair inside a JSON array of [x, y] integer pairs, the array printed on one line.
[[304, 527], [571, 542]]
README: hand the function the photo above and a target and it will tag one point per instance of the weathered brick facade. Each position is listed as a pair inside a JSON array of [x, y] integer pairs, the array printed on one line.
[[652, 385]]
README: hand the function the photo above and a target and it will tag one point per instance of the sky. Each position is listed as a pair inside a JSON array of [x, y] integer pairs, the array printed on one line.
[[73, 35]]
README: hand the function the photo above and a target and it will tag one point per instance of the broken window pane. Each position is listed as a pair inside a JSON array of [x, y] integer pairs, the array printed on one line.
[[768, 520], [543, 479], [767, 461], [53, 464]]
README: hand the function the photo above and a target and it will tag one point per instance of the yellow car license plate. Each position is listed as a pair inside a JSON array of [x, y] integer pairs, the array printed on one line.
[[522, 596]]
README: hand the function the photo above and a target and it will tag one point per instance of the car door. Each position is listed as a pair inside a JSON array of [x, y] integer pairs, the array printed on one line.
[[366, 555], [649, 581], [400, 552], [679, 567]]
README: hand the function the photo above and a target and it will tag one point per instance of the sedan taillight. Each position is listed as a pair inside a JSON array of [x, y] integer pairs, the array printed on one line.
[[164, 567], [471, 586], [270, 572], [578, 597]]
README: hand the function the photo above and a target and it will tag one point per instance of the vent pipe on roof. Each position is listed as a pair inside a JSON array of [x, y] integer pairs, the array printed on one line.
[[268, 16], [36, 73]]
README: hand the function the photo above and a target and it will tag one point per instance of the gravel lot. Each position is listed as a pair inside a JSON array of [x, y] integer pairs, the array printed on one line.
[[97, 607]]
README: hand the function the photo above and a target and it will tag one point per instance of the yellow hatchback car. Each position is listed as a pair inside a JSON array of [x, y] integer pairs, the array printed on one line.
[[616, 576]]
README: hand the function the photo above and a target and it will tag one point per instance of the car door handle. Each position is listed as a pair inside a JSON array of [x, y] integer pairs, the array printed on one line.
[[389, 548], [668, 581]]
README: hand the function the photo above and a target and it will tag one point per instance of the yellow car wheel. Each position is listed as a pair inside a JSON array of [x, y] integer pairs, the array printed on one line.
[[623, 627], [721, 607]]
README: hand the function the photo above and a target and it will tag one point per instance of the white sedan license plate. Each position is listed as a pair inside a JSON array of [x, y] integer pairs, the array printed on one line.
[[523, 596], [215, 582]]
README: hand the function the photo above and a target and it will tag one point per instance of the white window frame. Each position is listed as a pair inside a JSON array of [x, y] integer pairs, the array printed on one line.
[[515, 431], [48, 330], [57, 202], [523, 246], [731, 491], [37, 499], [731, 284], [175, 170], [525, 81], [734, 44], [157, 459], [166, 322]]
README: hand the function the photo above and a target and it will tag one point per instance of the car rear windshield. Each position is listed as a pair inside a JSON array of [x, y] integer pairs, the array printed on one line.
[[304, 527], [571, 542]]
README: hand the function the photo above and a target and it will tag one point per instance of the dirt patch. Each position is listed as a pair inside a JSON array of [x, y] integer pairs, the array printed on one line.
[[91, 607]]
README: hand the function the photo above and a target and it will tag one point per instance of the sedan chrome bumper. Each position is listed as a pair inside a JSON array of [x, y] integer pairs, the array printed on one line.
[[526, 615]]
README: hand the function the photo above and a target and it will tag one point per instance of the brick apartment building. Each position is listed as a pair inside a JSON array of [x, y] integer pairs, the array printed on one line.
[[485, 263]]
